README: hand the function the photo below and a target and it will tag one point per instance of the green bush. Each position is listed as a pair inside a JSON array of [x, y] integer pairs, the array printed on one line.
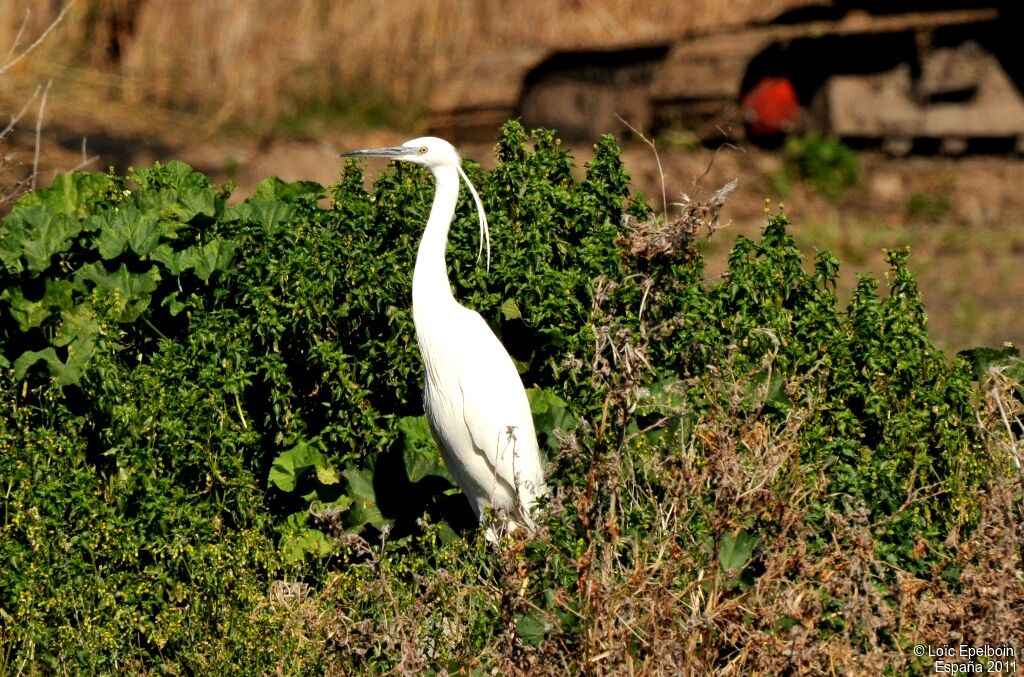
[[214, 458], [827, 164]]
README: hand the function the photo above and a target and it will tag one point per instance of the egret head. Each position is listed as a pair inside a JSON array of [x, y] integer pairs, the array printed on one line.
[[428, 151], [433, 153]]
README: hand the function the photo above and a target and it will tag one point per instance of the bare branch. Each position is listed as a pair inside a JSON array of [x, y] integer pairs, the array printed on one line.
[[86, 161], [15, 118], [664, 200], [39, 132], [17, 37], [83, 164], [49, 29]]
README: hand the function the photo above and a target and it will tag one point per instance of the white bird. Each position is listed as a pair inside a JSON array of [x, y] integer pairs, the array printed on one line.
[[473, 397]]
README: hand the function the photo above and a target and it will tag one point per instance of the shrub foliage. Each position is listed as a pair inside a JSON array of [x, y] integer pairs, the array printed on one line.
[[214, 460]]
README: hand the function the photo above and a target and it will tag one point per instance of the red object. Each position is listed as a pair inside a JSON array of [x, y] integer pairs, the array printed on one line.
[[771, 107]]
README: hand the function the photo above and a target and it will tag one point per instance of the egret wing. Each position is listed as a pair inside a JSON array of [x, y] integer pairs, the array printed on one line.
[[497, 412]]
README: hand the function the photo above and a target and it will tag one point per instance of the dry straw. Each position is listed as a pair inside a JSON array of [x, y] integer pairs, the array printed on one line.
[[254, 61]]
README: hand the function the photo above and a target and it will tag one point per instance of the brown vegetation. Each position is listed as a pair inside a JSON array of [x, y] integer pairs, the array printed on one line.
[[252, 62]]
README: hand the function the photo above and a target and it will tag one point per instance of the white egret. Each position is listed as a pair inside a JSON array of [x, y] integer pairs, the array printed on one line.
[[473, 397]]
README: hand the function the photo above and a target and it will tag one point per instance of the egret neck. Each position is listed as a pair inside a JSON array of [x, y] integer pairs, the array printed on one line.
[[430, 284]]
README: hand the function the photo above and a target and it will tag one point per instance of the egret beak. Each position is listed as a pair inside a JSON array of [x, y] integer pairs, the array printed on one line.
[[391, 152]]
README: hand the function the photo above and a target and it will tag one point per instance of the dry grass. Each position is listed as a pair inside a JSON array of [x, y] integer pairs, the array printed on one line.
[[252, 62], [652, 239]]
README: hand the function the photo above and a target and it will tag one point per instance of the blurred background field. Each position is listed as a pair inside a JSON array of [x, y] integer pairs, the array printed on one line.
[[245, 90]]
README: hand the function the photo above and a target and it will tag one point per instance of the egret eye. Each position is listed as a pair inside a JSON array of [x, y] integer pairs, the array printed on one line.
[[422, 150]]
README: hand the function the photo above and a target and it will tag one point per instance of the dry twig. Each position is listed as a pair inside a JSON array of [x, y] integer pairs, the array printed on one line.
[[11, 62]]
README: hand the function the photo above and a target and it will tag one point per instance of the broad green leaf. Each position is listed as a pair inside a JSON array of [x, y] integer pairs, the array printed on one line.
[[274, 189], [364, 499], [176, 192], [176, 262], [196, 202], [296, 545], [37, 233], [531, 627], [419, 450], [30, 357], [268, 213], [77, 331], [175, 175], [79, 352], [132, 290], [126, 228], [510, 310], [214, 256], [10, 254], [68, 373], [70, 194], [735, 549], [29, 314], [77, 323], [298, 539], [550, 413], [290, 465]]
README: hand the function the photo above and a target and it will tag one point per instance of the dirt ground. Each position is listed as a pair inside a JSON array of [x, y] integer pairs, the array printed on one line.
[[963, 218]]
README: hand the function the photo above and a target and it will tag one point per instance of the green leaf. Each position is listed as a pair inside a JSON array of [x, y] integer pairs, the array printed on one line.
[[364, 499], [289, 466], [173, 304], [299, 540], [274, 189], [71, 194], [125, 228], [419, 450], [195, 202], [510, 310], [80, 351], [29, 314], [268, 213], [77, 331], [30, 357], [214, 256], [35, 234], [177, 193], [175, 262], [531, 627], [65, 373], [734, 550], [78, 323], [550, 413], [132, 291]]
